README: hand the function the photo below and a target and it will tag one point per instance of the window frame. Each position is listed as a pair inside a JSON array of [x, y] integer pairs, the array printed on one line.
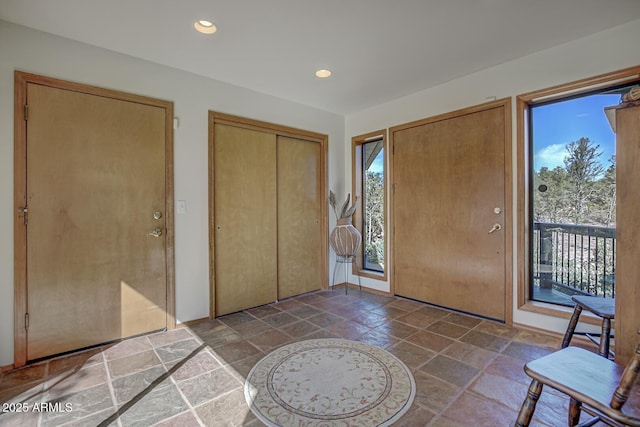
[[523, 103], [357, 143]]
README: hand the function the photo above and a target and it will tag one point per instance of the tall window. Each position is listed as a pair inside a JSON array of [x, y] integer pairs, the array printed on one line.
[[572, 197], [369, 184]]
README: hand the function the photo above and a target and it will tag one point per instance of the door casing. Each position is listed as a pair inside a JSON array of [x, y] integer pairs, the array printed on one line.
[[216, 118], [505, 105], [21, 81]]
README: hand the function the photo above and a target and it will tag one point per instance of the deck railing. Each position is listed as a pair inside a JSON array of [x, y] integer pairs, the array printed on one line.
[[574, 259]]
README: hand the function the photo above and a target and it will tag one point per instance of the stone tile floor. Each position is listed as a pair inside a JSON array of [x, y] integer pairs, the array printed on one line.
[[468, 371]]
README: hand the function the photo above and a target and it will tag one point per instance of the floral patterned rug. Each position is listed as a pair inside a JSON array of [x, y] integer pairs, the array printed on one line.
[[325, 382]]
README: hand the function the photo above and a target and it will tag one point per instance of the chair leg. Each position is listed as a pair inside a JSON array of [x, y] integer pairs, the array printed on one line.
[[529, 404], [573, 322], [604, 338], [575, 408]]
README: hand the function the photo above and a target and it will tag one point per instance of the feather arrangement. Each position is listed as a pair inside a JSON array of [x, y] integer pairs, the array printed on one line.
[[346, 211]]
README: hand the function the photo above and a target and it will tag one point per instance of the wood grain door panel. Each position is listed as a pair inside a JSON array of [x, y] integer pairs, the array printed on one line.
[[246, 241], [299, 217], [449, 177], [95, 176]]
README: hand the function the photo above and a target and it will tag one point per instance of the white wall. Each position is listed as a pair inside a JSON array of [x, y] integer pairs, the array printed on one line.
[[40, 53], [600, 53], [32, 51]]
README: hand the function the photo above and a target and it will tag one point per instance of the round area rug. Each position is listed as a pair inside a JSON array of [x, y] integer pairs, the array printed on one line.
[[329, 382]]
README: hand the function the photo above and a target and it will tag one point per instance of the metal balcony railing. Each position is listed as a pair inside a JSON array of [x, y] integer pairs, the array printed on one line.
[[574, 259]]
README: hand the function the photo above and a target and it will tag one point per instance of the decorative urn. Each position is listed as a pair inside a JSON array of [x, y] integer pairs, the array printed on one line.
[[345, 239]]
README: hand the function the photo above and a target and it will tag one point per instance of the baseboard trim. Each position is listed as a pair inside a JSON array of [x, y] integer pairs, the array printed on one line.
[[6, 368], [193, 322]]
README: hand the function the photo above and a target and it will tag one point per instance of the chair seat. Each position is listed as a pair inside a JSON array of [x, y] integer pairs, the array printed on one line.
[[602, 307], [587, 377]]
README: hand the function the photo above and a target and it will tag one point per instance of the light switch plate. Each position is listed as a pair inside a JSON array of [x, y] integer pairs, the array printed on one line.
[[182, 206]]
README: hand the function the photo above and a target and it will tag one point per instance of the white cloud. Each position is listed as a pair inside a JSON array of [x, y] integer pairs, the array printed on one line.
[[550, 156]]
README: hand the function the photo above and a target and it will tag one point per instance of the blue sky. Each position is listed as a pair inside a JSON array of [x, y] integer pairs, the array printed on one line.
[[556, 125], [377, 165]]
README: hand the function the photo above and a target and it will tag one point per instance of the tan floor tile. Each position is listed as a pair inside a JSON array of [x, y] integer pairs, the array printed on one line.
[[410, 354], [397, 329], [430, 340], [270, 340], [463, 377], [482, 412], [418, 319], [497, 329], [538, 339], [450, 370], [299, 329], [447, 329], [235, 351], [508, 367], [433, 393], [416, 416], [348, 330], [252, 328], [525, 352], [484, 340], [75, 380], [469, 354], [503, 390], [462, 320]]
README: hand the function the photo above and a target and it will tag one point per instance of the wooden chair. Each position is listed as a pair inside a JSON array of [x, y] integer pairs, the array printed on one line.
[[604, 308], [599, 384]]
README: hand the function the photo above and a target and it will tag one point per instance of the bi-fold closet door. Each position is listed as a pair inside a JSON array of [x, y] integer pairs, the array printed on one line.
[[267, 215]]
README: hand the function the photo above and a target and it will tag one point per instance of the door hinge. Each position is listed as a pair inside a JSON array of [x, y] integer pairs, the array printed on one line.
[[26, 112], [26, 320]]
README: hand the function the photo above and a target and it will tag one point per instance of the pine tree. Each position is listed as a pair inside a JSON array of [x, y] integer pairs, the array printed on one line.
[[583, 169]]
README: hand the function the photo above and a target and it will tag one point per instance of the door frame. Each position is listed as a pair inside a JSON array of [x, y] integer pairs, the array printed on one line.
[[278, 130], [21, 80], [505, 104]]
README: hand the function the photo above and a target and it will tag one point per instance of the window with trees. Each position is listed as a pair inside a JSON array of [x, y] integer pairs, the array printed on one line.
[[572, 194], [369, 184]]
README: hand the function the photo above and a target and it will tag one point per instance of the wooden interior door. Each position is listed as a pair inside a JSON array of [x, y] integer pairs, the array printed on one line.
[[245, 222], [449, 181], [299, 217], [95, 178]]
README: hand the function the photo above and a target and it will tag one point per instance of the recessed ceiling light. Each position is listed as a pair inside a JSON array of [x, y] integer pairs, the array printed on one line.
[[323, 74], [205, 27]]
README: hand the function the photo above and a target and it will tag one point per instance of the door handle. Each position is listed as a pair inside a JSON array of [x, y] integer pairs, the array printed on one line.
[[155, 233], [495, 227]]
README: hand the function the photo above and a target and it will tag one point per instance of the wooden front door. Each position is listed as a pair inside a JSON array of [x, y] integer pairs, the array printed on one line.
[[450, 189], [96, 193]]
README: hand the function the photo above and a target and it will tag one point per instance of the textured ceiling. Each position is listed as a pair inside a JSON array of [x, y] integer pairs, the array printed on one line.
[[379, 50]]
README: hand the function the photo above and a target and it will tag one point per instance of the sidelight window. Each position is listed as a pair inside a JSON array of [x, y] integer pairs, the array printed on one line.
[[370, 218]]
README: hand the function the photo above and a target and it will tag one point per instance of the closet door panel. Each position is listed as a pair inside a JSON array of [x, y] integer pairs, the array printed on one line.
[[299, 217], [245, 222]]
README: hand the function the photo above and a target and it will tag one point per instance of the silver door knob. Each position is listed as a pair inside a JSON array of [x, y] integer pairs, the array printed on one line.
[[495, 227], [155, 233]]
